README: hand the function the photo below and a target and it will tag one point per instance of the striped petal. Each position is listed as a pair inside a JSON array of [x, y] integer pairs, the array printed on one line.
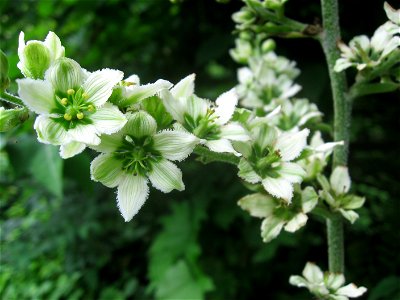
[[107, 169], [175, 145], [165, 176], [38, 95]]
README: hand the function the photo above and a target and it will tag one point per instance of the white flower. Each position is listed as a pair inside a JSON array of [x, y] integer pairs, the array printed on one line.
[[293, 114], [199, 116], [279, 215], [335, 193], [363, 52], [328, 286], [137, 154], [71, 104], [35, 57], [320, 151], [267, 159]]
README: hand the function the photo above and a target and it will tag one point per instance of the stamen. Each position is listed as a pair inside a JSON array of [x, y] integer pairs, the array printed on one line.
[[85, 96], [80, 115], [67, 117], [64, 101], [70, 92], [90, 108]]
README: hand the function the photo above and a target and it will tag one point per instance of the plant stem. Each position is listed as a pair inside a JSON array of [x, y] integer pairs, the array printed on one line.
[[342, 111], [4, 96], [213, 156]]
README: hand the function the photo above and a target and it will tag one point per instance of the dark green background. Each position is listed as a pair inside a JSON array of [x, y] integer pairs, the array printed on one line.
[[61, 234]]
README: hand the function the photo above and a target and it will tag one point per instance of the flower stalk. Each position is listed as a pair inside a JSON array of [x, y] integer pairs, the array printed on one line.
[[342, 116]]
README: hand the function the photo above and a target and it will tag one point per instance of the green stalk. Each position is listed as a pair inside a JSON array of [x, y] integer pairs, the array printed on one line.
[[342, 111], [210, 156], [7, 97]]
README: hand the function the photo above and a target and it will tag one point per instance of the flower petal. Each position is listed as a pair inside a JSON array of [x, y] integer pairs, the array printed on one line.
[[334, 281], [298, 281], [278, 187], [107, 169], [234, 132], [292, 172], [108, 119], [84, 133], [290, 144], [309, 199], [71, 149], [351, 290], [340, 180], [270, 228], [196, 107], [226, 104], [99, 85], [132, 193], [53, 43], [174, 106], [258, 205], [221, 145], [165, 176], [350, 215], [175, 145], [109, 143], [296, 222], [313, 273], [38, 95], [184, 88], [49, 131], [247, 173], [135, 93]]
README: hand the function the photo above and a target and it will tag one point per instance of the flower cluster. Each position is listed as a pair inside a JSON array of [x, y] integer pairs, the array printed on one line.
[[326, 286], [366, 53], [335, 193]]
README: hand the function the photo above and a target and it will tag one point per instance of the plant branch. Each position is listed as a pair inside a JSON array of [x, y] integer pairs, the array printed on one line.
[[7, 97], [210, 156], [342, 110]]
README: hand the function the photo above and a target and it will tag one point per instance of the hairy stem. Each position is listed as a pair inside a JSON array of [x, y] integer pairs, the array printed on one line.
[[342, 111], [7, 97], [210, 156]]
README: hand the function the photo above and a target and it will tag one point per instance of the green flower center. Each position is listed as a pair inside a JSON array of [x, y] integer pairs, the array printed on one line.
[[203, 127], [73, 108], [263, 160], [137, 155]]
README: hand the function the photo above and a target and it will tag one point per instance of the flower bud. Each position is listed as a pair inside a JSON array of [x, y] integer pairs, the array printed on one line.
[[4, 80], [35, 57], [36, 60], [243, 16], [9, 118], [65, 74], [268, 45]]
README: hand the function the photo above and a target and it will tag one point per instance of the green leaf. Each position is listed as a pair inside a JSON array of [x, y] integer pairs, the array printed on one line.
[[174, 270], [387, 288], [46, 167], [179, 282]]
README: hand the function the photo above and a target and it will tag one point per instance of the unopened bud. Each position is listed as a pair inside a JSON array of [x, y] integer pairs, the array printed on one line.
[[9, 118], [66, 74], [4, 80]]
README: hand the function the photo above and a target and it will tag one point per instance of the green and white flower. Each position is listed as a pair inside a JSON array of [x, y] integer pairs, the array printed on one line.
[[278, 214], [129, 91], [326, 286], [199, 116], [317, 160], [35, 57], [268, 159], [71, 104], [136, 154], [268, 77], [335, 193], [294, 113], [364, 53], [394, 18]]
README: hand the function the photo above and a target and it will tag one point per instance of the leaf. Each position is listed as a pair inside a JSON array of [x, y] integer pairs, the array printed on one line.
[[387, 288], [180, 283], [173, 256], [46, 167]]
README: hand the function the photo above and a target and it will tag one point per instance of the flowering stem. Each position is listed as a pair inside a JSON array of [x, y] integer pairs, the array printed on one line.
[[4, 96], [342, 116], [210, 156]]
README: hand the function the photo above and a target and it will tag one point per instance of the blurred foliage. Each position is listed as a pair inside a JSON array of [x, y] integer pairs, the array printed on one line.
[[64, 239]]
